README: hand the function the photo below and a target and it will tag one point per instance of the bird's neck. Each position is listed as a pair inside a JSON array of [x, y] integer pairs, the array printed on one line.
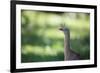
[[66, 45]]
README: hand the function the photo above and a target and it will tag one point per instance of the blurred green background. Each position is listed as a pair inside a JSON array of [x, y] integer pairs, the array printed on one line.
[[41, 39]]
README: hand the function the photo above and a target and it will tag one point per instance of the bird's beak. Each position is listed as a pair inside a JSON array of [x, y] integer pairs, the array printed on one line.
[[61, 29]]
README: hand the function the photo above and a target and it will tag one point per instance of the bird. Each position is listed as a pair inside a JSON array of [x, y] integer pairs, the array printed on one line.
[[69, 54]]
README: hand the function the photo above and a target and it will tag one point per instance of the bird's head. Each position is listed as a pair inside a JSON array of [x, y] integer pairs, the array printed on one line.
[[63, 28]]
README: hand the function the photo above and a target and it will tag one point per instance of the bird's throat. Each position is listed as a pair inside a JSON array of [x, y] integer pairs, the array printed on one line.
[[66, 45]]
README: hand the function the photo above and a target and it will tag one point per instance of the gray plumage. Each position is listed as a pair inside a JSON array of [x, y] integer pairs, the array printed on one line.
[[69, 54]]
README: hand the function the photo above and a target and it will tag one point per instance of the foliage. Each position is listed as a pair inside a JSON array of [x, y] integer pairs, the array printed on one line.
[[41, 39]]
